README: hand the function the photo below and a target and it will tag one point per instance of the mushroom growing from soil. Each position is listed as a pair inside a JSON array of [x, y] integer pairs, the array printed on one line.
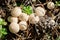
[[23, 25], [33, 19], [39, 11], [50, 5], [23, 17], [16, 11], [14, 27], [12, 19]]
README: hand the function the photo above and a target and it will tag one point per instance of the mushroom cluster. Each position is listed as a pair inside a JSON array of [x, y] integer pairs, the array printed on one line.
[[18, 20]]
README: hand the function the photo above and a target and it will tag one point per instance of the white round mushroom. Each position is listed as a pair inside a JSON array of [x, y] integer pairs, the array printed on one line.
[[50, 5], [23, 25], [14, 27], [12, 19], [23, 17], [16, 11], [52, 22], [33, 19], [39, 11]]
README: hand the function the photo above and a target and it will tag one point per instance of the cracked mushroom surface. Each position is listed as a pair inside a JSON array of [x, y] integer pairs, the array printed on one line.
[[50, 5], [33, 19], [23, 17], [39, 11], [23, 25]]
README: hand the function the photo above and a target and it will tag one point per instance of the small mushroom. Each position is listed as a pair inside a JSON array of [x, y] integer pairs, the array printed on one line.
[[23, 25], [52, 22], [12, 19], [33, 19], [23, 17], [39, 11], [16, 11], [50, 5], [14, 27]]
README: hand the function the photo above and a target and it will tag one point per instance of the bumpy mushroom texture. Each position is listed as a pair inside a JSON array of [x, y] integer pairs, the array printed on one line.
[[12, 19], [16, 11], [52, 22], [14, 27], [39, 11], [23, 25], [23, 17], [33, 19], [50, 5]]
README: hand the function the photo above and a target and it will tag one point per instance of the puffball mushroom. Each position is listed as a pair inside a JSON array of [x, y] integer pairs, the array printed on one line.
[[33, 19], [23, 17], [12, 19], [23, 25], [14, 27], [16, 11], [52, 22], [39, 11], [50, 5]]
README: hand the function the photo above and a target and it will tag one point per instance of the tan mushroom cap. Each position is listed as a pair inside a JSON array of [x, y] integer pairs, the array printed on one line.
[[23, 25], [14, 27], [33, 19], [16, 11], [39, 11], [23, 17], [12, 19], [50, 5]]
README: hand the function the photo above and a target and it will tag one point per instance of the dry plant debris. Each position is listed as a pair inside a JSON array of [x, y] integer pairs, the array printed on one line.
[[31, 19]]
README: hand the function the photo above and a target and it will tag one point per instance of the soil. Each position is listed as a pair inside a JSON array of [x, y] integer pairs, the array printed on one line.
[[39, 31]]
